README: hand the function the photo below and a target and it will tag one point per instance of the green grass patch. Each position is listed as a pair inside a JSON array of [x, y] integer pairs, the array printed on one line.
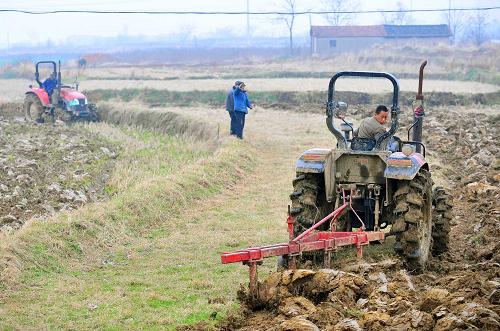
[[308, 101]]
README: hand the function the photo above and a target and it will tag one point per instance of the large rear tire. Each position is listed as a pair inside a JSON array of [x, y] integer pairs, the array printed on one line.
[[413, 213], [441, 215], [309, 203], [33, 109]]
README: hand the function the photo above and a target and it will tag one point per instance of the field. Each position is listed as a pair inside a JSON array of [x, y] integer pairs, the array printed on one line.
[[175, 191]]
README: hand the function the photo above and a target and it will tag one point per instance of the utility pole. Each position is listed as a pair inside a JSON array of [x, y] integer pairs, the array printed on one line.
[[310, 36], [248, 23], [449, 13]]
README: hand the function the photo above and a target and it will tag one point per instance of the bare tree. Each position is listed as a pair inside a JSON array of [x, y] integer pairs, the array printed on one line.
[[290, 7], [400, 17], [476, 30], [455, 20], [338, 7]]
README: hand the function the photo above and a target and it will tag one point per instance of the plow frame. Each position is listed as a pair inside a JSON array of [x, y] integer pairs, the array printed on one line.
[[308, 241]]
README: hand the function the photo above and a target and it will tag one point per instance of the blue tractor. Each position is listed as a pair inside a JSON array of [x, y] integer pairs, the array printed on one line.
[[387, 180]]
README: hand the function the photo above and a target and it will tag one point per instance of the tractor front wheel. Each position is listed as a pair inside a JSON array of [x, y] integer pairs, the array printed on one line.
[[413, 213]]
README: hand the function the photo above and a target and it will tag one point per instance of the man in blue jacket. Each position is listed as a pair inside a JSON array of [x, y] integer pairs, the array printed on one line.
[[49, 85], [230, 106], [241, 103]]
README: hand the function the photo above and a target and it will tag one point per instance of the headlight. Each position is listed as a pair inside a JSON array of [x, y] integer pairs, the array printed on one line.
[[73, 102], [407, 150], [85, 101]]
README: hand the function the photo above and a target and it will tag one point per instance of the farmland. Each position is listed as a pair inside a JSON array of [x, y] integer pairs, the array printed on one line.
[[178, 191]]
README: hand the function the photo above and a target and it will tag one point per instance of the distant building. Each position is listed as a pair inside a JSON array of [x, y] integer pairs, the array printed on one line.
[[334, 39]]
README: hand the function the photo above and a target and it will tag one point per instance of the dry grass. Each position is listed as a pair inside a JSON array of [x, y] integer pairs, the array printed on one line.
[[13, 89], [465, 63], [190, 130], [443, 60]]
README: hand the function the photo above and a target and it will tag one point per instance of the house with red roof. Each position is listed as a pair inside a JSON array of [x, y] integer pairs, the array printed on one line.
[[353, 38]]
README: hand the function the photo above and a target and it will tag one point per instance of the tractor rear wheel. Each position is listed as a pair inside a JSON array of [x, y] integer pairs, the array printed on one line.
[[309, 203], [413, 218], [441, 214], [33, 109]]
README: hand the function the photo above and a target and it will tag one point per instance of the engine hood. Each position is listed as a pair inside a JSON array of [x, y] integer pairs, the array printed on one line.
[[70, 94]]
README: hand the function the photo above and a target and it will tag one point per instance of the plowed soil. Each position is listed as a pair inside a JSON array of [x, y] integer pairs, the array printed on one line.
[[48, 168]]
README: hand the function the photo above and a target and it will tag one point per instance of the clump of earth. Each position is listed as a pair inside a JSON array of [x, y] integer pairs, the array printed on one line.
[[48, 168]]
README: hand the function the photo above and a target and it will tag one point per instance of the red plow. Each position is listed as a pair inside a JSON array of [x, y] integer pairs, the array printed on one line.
[[308, 241]]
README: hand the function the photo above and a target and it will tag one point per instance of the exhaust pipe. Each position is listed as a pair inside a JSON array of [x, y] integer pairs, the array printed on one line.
[[418, 113]]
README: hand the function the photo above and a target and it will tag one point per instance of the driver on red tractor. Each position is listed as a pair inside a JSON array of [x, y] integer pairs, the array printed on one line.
[[49, 85]]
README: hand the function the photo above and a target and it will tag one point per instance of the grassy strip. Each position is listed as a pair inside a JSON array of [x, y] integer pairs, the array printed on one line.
[[314, 101], [81, 256], [161, 121]]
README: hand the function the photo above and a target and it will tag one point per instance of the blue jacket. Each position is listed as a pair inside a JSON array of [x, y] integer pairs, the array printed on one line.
[[49, 85], [241, 101]]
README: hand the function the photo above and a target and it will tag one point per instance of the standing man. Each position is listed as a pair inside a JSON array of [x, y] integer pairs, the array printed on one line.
[[230, 106], [241, 103]]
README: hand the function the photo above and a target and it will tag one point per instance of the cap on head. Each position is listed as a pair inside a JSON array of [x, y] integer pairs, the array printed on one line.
[[237, 83]]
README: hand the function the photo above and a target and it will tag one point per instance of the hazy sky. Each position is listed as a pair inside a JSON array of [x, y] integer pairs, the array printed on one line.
[[23, 28]]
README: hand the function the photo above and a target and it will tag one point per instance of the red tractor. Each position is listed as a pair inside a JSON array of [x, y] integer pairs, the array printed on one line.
[[64, 102]]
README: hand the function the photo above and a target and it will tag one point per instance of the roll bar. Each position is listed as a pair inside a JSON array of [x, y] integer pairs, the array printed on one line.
[[330, 105], [37, 72]]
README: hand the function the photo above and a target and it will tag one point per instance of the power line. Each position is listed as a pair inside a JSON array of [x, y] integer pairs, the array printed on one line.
[[320, 12]]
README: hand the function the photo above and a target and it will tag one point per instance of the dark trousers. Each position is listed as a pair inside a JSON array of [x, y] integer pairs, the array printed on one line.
[[233, 121], [239, 123]]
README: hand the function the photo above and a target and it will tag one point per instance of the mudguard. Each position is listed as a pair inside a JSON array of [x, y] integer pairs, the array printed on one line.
[[400, 166], [70, 94], [41, 94], [314, 160]]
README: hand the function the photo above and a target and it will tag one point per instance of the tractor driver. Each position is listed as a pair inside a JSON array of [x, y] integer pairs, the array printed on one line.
[[49, 85], [373, 127]]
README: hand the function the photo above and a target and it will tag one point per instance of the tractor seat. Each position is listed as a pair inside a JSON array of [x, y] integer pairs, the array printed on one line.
[[362, 144]]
